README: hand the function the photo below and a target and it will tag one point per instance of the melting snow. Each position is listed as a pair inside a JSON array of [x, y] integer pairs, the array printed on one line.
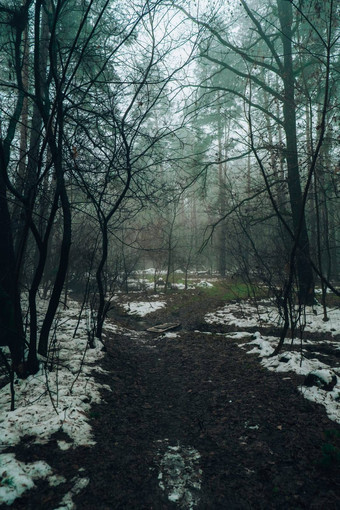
[[244, 315], [60, 399], [142, 308], [17, 477], [179, 474], [47, 402], [293, 361], [169, 334], [205, 284], [67, 501], [315, 322], [247, 315]]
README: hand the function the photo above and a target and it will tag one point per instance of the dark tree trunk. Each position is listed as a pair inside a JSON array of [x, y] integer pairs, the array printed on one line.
[[303, 265], [61, 273], [63, 258], [12, 333], [101, 312], [222, 206], [32, 362]]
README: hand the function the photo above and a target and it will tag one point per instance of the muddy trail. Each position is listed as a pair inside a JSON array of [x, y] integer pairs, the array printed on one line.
[[193, 421]]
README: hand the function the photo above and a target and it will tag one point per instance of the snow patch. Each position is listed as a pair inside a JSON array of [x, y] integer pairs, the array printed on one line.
[[324, 379], [64, 445], [67, 501], [169, 334], [315, 322], [142, 308], [329, 399], [293, 361], [246, 314], [204, 284], [237, 335], [57, 398], [17, 477], [179, 474]]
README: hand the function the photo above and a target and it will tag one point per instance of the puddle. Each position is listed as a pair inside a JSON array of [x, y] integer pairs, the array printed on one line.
[[179, 473]]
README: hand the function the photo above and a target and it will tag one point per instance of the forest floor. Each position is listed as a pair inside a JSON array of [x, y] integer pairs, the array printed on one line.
[[193, 421]]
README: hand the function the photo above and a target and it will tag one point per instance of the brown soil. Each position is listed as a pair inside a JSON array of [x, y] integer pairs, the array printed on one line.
[[200, 391]]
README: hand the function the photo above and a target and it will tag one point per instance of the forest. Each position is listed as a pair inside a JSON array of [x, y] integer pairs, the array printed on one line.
[[175, 153]]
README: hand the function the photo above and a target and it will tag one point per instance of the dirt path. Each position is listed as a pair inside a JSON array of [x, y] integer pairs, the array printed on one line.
[[192, 422], [199, 408]]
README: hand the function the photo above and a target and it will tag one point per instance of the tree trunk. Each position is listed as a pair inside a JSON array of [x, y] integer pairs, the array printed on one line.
[[222, 258], [12, 333], [303, 264], [101, 312]]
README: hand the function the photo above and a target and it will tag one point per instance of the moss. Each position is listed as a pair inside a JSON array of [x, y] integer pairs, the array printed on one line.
[[230, 291]]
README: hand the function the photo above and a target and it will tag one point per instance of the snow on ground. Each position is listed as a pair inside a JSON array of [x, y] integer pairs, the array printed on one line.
[[142, 308], [315, 322], [181, 286], [151, 271], [17, 477], [170, 334], [293, 361], [204, 284], [248, 315], [118, 330], [57, 398], [179, 473], [79, 483], [244, 314], [60, 395], [139, 282]]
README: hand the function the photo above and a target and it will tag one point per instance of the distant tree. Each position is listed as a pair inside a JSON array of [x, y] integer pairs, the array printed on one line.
[[267, 63]]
